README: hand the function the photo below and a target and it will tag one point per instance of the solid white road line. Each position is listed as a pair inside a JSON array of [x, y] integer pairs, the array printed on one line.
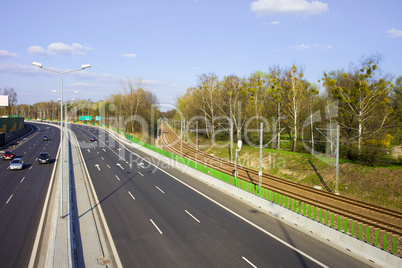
[[117, 177], [22, 180], [249, 262], [131, 195], [9, 199], [159, 189], [140, 173], [108, 166], [192, 216], [156, 226]]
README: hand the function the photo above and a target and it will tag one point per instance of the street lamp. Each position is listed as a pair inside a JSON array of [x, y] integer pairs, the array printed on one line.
[[84, 66]]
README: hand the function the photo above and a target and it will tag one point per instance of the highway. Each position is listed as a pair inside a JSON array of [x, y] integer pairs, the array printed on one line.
[[22, 194], [159, 217]]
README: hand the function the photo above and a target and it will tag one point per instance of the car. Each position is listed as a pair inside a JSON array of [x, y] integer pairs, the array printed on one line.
[[8, 155], [93, 138], [46, 138], [17, 163], [44, 158]]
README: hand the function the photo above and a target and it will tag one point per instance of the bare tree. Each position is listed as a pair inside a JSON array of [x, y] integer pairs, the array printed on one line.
[[231, 101]]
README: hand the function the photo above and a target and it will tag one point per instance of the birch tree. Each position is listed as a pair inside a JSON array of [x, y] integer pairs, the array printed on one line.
[[295, 95], [232, 95], [366, 99]]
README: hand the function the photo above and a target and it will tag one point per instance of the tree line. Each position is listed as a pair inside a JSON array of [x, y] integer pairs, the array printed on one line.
[[361, 100], [128, 109]]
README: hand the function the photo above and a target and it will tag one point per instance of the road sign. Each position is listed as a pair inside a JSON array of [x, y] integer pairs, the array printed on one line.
[[98, 118], [85, 117]]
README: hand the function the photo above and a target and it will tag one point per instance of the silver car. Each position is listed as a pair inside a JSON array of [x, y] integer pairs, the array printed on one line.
[[17, 163]]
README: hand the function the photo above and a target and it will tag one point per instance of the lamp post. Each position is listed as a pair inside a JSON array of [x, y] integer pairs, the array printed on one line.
[[84, 66]]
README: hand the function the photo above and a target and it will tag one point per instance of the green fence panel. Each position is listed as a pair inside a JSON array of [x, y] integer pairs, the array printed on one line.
[[299, 207], [309, 211], [394, 245], [332, 220], [352, 228], [304, 209], [294, 204], [376, 238], [315, 213], [339, 223]]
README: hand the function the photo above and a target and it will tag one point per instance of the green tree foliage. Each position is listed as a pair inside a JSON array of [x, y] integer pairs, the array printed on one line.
[[364, 101]]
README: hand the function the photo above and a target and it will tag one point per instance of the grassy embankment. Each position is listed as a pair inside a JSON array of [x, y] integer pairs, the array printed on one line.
[[380, 185]]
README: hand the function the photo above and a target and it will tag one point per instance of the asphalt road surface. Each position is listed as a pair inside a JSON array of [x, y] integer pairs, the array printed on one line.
[[22, 195], [163, 218]]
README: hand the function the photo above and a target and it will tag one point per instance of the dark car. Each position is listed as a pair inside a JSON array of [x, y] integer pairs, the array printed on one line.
[[8, 155], [46, 138], [44, 158], [92, 138]]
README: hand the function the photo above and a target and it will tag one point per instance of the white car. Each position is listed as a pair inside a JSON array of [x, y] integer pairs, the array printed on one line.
[[17, 163]]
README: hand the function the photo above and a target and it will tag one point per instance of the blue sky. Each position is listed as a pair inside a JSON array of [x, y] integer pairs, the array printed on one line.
[[168, 44]]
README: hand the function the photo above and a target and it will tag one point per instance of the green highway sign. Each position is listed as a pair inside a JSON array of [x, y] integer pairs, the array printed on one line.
[[85, 117]]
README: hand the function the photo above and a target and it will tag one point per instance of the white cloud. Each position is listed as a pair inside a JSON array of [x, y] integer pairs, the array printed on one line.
[[279, 7], [59, 49], [303, 46], [15, 68], [394, 33], [6, 54], [130, 56], [275, 22]]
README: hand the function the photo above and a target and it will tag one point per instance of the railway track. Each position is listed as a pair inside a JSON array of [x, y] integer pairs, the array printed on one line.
[[381, 218]]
